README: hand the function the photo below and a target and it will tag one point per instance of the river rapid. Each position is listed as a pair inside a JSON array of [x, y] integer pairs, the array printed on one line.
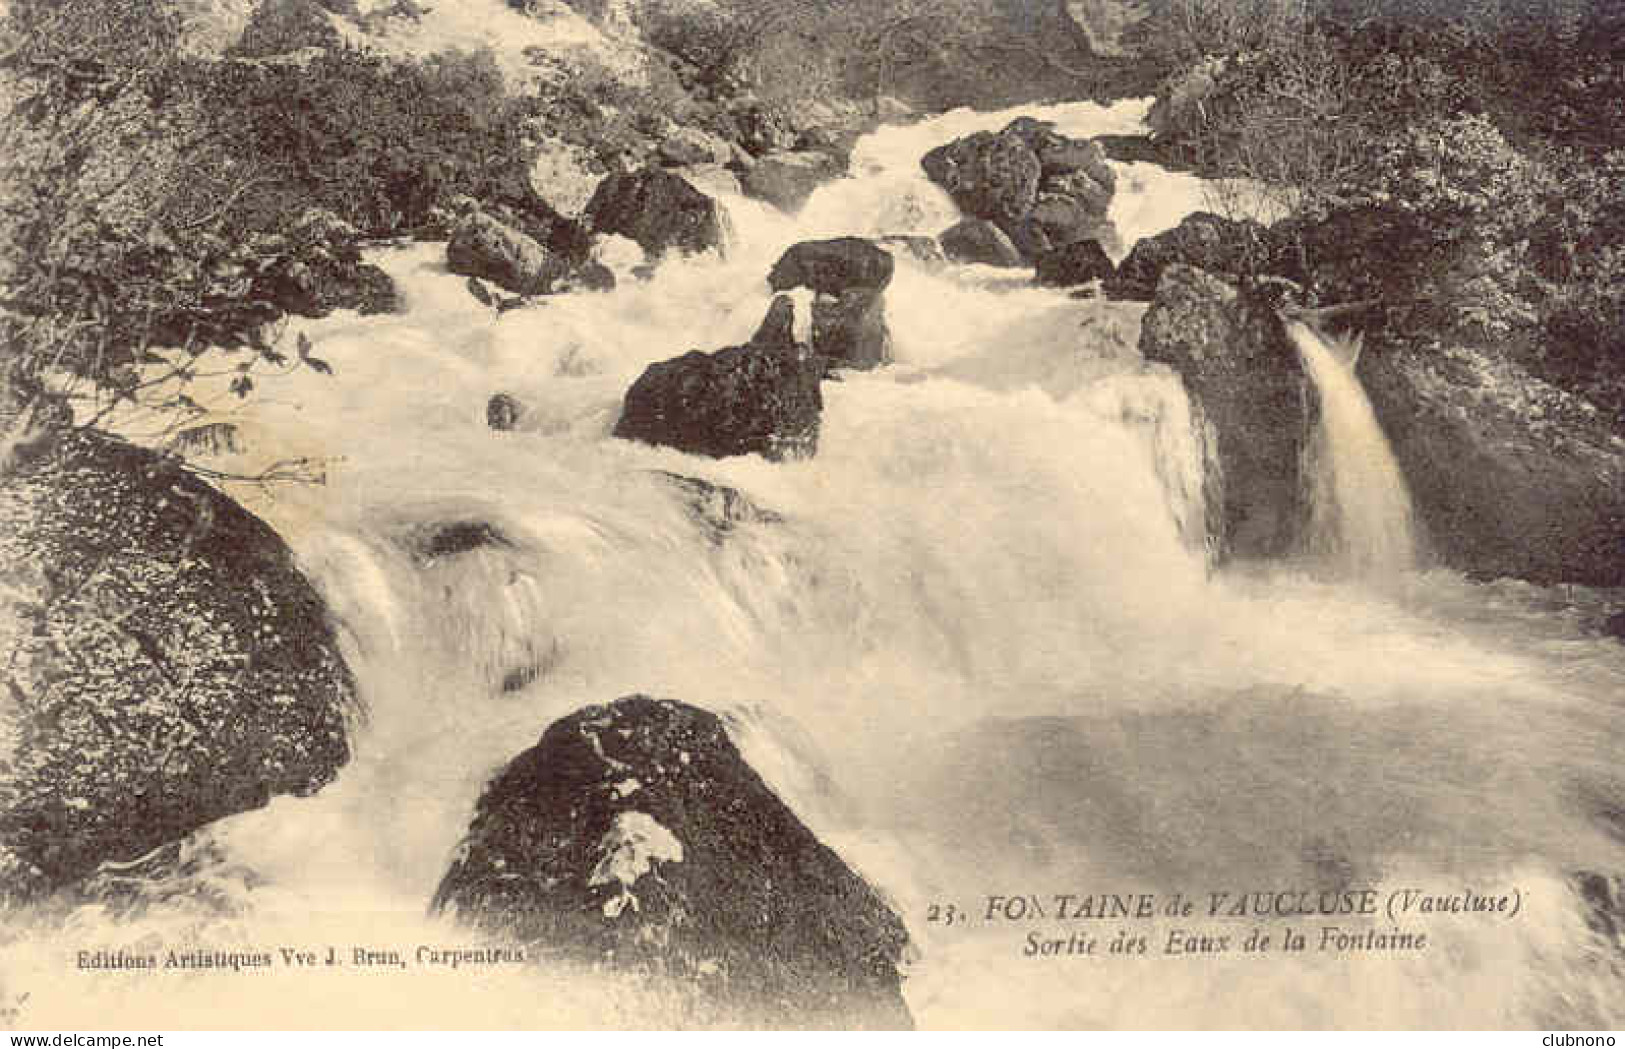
[[981, 652]]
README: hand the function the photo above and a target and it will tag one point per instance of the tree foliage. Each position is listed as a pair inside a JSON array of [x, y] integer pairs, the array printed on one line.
[[1458, 161], [162, 214]]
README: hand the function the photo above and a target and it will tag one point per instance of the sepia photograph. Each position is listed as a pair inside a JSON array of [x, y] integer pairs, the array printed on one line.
[[784, 515]]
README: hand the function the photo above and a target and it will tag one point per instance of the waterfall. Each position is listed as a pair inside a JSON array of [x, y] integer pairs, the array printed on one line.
[[1360, 511]]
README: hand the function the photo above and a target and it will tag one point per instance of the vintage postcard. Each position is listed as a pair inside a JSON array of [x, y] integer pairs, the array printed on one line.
[[811, 514]]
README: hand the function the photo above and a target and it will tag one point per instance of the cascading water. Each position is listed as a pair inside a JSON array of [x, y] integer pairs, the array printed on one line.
[[1360, 511], [979, 652]]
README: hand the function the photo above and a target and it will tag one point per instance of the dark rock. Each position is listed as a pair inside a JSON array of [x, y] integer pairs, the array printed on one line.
[[1077, 263], [990, 176], [1510, 475], [503, 411], [566, 238], [166, 663], [833, 266], [1245, 380], [1131, 149], [717, 507], [921, 249], [1604, 899], [483, 247], [1060, 156], [978, 240], [759, 398], [1042, 189], [851, 331], [1203, 240], [786, 180], [778, 323], [659, 210], [432, 542], [634, 836]]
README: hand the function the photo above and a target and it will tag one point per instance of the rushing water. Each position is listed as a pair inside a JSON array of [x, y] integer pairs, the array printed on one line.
[[983, 653], [1360, 511]]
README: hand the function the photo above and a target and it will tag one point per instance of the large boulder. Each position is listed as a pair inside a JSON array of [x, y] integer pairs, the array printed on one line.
[[761, 398], [564, 175], [482, 247], [1043, 189], [980, 241], [164, 662], [833, 267], [850, 331], [634, 836], [786, 179], [1080, 262], [989, 175], [1246, 383], [1204, 240], [658, 209], [1510, 475]]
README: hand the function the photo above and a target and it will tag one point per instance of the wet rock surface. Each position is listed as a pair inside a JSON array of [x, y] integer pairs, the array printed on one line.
[[1243, 375], [980, 241], [759, 398], [1080, 262], [1203, 240], [1510, 475], [634, 836], [165, 663], [1041, 188], [482, 247], [833, 266], [660, 210]]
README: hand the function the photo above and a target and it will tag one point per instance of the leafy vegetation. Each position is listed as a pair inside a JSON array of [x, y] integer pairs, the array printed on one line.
[[164, 213], [1460, 163]]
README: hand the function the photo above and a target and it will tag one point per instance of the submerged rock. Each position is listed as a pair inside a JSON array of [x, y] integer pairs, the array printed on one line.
[[980, 241], [165, 662], [658, 209], [718, 507], [432, 542], [1510, 475], [833, 267], [1244, 378], [504, 411], [761, 398], [634, 836]]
